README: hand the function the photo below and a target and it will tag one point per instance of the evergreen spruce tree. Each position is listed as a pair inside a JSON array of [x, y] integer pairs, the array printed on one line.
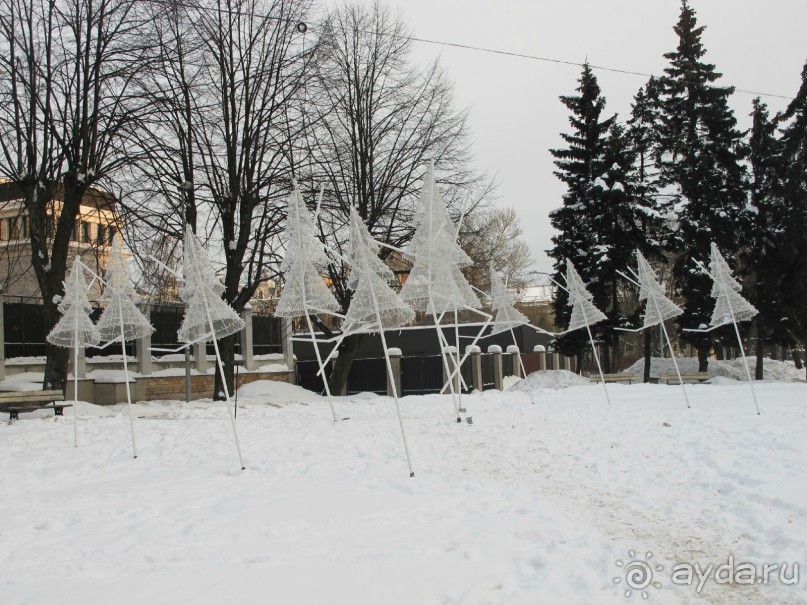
[[652, 211], [764, 248], [793, 166], [699, 158], [578, 165]]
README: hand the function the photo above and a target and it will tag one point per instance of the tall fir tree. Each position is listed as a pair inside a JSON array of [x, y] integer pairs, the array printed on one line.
[[700, 154], [649, 201], [793, 165], [763, 252], [578, 165]]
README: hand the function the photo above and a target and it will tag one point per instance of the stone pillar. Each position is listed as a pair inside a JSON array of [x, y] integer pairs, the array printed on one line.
[[541, 350], [475, 359], [567, 363], [554, 360], [288, 346], [395, 363], [143, 350], [200, 357], [498, 378], [245, 337], [514, 352], [2, 341], [450, 355]]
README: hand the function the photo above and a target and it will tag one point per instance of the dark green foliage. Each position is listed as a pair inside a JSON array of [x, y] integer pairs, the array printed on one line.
[[700, 153]]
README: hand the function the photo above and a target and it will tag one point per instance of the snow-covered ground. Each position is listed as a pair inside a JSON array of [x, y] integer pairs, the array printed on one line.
[[529, 504]]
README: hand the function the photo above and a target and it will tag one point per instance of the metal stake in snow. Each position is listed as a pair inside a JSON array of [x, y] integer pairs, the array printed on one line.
[[121, 319], [207, 316], [584, 313], [730, 306], [75, 328], [303, 281], [659, 307]]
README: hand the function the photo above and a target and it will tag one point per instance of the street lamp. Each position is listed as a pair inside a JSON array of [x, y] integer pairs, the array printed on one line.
[[186, 187]]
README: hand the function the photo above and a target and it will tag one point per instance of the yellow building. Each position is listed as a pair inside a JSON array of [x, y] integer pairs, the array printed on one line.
[[96, 225]]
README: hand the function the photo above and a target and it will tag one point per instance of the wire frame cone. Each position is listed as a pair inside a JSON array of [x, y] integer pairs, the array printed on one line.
[[75, 328], [584, 313], [506, 316], [202, 293], [659, 308], [304, 291], [120, 298], [726, 290]]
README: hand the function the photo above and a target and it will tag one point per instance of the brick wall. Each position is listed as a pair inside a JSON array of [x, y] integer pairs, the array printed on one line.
[[173, 387]]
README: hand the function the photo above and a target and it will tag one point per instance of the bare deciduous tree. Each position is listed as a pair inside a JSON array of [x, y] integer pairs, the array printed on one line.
[[66, 110], [377, 123]]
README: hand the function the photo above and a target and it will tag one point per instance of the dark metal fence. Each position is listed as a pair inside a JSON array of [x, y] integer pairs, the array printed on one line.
[[420, 375], [25, 329], [488, 375], [368, 375]]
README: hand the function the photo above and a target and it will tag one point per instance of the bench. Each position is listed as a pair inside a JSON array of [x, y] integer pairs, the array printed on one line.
[[629, 378], [690, 377], [14, 402]]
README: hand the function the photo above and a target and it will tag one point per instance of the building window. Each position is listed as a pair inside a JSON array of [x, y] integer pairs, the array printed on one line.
[[13, 228], [25, 231], [86, 232], [74, 232], [111, 233]]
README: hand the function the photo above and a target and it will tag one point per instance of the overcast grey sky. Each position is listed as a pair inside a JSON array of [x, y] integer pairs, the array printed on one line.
[[515, 112]]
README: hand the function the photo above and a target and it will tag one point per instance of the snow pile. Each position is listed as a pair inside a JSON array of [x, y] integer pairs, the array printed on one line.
[[273, 391], [773, 369], [549, 379]]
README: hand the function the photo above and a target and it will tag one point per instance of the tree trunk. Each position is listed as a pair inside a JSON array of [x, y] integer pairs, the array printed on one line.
[[703, 358], [579, 364], [797, 358], [606, 357], [760, 351], [341, 368], [647, 356], [227, 352]]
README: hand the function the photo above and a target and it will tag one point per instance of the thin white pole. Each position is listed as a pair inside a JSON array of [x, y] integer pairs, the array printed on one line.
[[392, 382], [75, 384], [319, 360], [126, 376], [742, 352], [672, 353], [457, 344], [597, 359], [469, 347], [224, 385]]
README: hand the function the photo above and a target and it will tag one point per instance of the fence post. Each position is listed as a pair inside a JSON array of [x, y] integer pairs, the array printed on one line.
[[554, 359], [541, 350], [288, 347], [450, 353], [395, 364], [142, 346], [2, 341], [515, 353], [245, 336], [200, 357], [498, 379], [567, 363], [475, 356]]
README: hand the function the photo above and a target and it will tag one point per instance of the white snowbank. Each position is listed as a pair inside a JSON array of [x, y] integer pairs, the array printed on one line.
[[550, 379], [276, 392], [773, 369]]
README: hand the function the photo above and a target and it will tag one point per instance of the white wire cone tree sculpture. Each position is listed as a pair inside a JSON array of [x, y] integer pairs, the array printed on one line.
[[375, 306], [75, 329], [121, 320], [730, 306], [436, 285], [304, 290], [584, 313], [207, 315], [658, 309], [505, 315]]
